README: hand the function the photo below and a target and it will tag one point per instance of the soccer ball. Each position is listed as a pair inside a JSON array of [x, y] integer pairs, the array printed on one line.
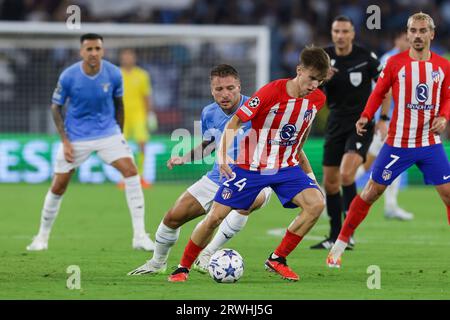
[[226, 266]]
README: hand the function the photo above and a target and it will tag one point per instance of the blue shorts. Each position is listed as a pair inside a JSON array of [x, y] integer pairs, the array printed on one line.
[[392, 161], [241, 191]]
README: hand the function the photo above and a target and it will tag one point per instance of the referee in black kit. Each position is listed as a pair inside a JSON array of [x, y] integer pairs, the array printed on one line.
[[349, 86]]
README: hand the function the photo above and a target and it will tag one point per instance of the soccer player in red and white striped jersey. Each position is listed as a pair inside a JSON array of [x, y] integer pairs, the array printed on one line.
[[420, 82], [281, 114]]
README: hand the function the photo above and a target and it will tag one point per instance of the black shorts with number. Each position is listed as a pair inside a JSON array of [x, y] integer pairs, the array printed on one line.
[[341, 137]]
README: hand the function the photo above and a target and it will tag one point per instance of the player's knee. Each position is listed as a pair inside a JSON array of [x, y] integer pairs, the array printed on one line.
[[130, 171], [172, 219], [315, 208], [347, 177]]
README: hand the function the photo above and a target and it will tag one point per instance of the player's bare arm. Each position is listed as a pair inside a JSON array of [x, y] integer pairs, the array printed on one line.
[[58, 119], [120, 114], [382, 126], [227, 138], [197, 153]]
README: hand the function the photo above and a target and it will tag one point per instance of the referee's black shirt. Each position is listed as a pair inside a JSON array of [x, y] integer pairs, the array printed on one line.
[[348, 90]]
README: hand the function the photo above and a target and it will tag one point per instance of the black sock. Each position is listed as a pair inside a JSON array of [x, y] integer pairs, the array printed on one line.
[[334, 209], [348, 193]]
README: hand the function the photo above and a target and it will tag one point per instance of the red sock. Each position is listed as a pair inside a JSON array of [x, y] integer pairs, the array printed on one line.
[[288, 244], [448, 214], [357, 212], [191, 253]]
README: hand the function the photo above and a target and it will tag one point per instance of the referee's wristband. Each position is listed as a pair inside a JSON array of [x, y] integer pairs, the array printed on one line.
[[311, 176]]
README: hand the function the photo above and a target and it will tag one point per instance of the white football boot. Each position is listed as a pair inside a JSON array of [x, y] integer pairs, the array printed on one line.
[[150, 267], [399, 214], [39, 243], [143, 242], [202, 262]]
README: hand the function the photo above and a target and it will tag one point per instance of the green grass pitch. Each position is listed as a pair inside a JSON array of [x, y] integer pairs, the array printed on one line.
[[93, 231]]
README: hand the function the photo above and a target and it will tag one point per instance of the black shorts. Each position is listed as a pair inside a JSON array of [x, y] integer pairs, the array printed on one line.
[[341, 137]]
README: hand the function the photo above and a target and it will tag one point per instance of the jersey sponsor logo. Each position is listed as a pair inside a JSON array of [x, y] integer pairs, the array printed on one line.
[[226, 193], [387, 174], [287, 132], [425, 107], [254, 102], [435, 76], [355, 78], [422, 92]]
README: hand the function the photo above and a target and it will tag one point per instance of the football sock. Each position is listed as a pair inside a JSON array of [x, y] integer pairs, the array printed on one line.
[[390, 196], [360, 172], [334, 209], [348, 193], [135, 200], [356, 214], [165, 238], [338, 248], [191, 253], [50, 210], [288, 244], [232, 224]]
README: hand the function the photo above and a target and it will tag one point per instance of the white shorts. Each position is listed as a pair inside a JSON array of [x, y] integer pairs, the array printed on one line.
[[108, 149], [376, 145], [204, 190]]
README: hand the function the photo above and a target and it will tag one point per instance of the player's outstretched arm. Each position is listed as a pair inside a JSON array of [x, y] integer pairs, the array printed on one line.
[[120, 113], [59, 123], [227, 138], [199, 152]]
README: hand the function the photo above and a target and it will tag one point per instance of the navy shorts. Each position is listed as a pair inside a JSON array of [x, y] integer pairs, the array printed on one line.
[[241, 191], [392, 161]]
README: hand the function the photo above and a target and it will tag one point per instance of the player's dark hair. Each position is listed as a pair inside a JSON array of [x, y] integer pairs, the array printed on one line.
[[224, 70], [90, 36], [342, 18], [315, 58]]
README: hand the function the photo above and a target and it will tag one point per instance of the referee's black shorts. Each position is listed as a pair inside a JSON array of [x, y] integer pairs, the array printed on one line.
[[341, 137]]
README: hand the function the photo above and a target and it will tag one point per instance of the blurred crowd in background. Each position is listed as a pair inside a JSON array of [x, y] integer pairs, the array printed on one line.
[[292, 23], [179, 74]]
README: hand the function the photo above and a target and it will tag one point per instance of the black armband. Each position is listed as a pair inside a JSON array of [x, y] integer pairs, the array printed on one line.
[[384, 117]]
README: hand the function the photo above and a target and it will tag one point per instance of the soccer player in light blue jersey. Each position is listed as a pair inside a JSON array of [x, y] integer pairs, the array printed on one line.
[[197, 199], [391, 208], [93, 123]]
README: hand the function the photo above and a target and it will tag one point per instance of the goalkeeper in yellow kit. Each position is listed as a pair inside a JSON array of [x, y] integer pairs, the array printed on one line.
[[138, 107]]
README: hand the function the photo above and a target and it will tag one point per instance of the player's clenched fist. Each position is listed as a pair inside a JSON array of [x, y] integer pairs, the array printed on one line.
[[175, 161]]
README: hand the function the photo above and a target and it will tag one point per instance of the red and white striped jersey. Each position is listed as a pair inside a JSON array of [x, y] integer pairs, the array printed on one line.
[[421, 92], [279, 123]]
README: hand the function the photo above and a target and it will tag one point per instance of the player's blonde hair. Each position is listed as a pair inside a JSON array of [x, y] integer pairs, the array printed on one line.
[[421, 16]]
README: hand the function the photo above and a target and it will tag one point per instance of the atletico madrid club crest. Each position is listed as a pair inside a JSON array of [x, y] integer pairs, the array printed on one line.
[[226, 193], [435, 76], [387, 174]]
